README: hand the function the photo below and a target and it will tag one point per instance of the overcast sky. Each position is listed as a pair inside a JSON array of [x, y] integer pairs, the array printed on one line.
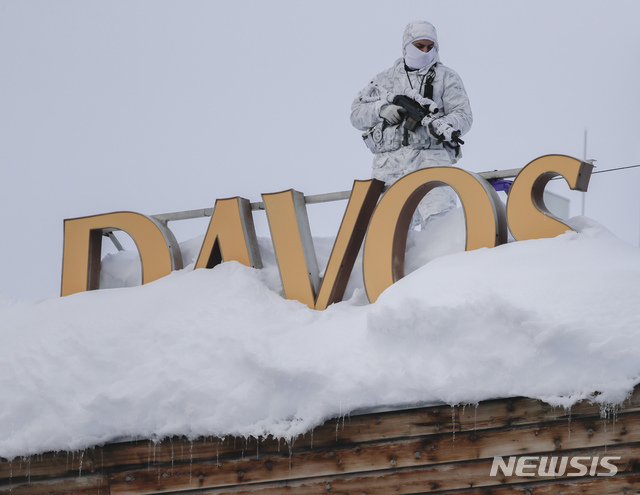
[[155, 106]]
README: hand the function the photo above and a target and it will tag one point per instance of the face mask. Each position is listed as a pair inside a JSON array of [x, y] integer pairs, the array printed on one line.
[[417, 59]]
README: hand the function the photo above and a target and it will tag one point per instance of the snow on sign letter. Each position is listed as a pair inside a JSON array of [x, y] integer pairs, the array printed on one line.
[[231, 233]]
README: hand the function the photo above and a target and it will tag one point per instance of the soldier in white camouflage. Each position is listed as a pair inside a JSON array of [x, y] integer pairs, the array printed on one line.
[[399, 151]]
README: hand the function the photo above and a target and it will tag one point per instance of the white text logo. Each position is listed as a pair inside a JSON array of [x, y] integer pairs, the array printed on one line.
[[554, 466]]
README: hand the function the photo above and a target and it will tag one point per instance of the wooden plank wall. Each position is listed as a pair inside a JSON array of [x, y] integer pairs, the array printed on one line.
[[440, 450]]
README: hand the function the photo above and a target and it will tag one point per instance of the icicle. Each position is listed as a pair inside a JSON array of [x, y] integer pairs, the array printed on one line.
[[156, 465], [218, 454], [453, 422], [257, 448], [475, 418], [29, 469], [311, 438], [190, 460], [171, 443], [290, 445], [80, 467], [568, 410]]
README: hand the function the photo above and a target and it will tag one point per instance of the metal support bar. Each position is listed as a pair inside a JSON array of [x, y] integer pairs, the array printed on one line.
[[185, 215], [114, 239], [500, 174], [314, 198]]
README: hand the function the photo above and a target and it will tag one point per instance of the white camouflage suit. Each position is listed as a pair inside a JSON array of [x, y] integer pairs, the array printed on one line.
[[392, 159]]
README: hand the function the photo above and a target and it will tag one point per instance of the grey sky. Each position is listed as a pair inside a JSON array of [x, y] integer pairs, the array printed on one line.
[[156, 106]]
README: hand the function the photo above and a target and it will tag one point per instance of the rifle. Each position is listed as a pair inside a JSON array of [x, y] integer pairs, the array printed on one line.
[[416, 114]]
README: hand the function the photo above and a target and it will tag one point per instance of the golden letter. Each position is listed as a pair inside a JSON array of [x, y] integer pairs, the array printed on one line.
[[527, 214], [294, 249], [159, 251], [231, 235], [362, 201], [384, 248], [293, 245]]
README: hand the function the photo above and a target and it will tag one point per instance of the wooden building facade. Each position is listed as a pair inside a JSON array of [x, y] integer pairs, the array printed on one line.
[[437, 449]]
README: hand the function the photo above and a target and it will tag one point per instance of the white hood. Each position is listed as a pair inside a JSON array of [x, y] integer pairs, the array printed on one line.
[[420, 30]]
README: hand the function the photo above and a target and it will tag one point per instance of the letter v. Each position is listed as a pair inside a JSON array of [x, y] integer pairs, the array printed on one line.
[[294, 250]]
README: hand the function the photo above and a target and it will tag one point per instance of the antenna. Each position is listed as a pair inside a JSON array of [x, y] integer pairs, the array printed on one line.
[[584, 158]]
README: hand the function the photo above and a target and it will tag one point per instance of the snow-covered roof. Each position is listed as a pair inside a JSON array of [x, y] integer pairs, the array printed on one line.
[[221, 352]]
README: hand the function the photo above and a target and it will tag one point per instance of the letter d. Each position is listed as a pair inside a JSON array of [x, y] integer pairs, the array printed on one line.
[[159, 252]]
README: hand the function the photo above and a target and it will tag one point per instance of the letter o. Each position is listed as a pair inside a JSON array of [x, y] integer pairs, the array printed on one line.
[[384, 248]]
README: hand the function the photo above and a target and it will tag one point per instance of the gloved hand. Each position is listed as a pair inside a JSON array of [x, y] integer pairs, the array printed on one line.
[[440, 130], [393, 114]]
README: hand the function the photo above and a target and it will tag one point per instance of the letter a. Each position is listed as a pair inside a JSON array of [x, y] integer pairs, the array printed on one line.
[[231, 235]]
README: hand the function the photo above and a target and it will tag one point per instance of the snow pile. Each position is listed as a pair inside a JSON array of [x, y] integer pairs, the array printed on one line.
[[220, 352]]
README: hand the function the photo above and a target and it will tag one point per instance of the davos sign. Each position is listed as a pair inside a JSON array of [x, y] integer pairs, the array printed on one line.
[[382, 223]]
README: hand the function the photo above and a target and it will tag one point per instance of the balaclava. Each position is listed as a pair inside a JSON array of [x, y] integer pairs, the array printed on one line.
[[419, 30]]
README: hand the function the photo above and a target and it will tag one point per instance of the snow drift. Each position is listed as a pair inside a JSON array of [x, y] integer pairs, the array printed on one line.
[[221, 352]]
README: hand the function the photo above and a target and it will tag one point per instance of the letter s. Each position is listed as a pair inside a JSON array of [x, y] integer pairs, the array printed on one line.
[[575, 463], [527, 215], [613, 469]]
